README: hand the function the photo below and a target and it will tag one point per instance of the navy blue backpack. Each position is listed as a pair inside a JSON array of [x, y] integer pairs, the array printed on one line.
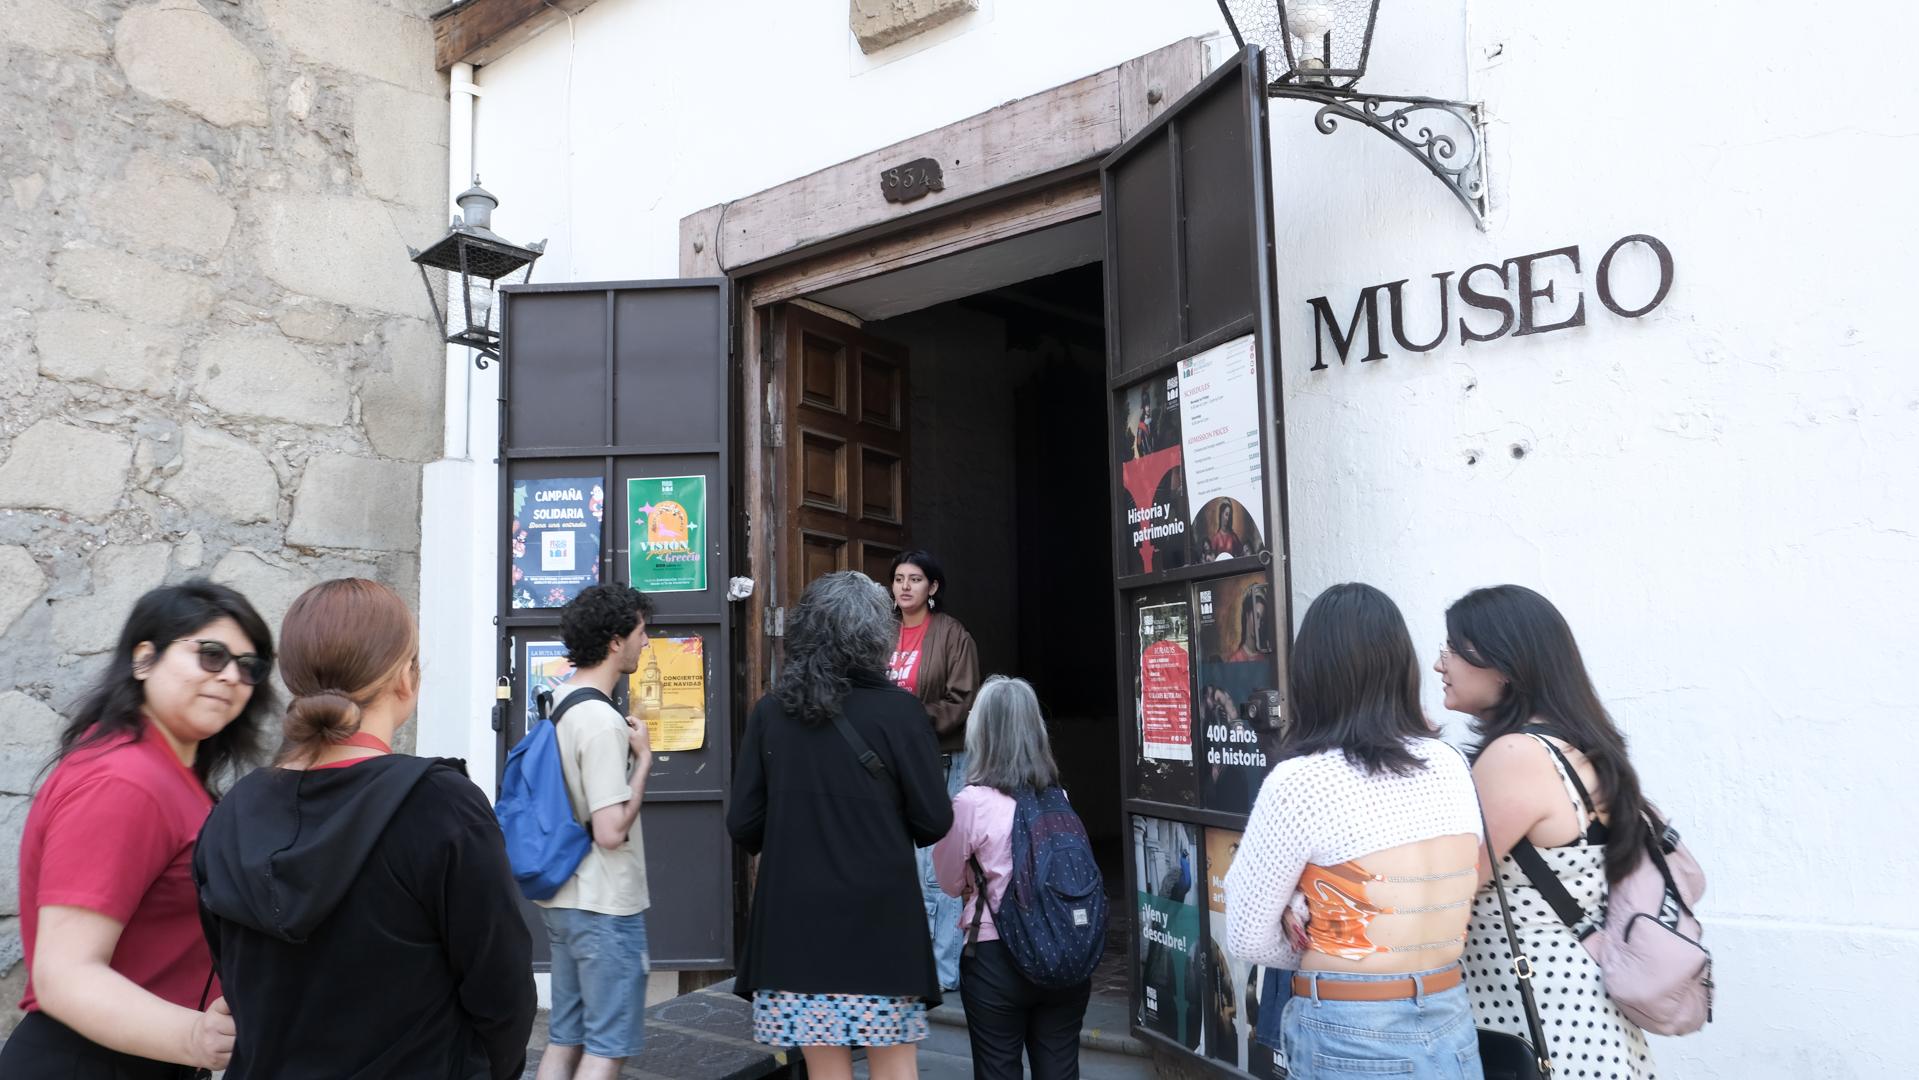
[[544, 841], [1052, 917]]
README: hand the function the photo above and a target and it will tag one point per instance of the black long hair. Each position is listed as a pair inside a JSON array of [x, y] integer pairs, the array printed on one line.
[[930, 566], [163, 616], [1355, 683], [1520, 634]]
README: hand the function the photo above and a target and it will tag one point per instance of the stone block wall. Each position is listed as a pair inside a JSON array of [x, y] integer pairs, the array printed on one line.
[[215, 358]]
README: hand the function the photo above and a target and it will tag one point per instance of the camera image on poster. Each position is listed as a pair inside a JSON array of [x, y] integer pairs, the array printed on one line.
[[1239, 707], [1163, 696], [1166, 858], [1223, 451], [1152, 477], [1233, 985]]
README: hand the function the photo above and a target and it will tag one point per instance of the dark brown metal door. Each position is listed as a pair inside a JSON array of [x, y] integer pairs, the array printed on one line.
[[846, 449], [1200, 539], [616, 417]]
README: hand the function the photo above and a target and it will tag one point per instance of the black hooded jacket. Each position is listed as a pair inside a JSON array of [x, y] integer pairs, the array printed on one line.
[[365, 923]]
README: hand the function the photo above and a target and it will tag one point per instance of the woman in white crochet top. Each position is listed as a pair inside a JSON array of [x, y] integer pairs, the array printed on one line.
[[1374, 821]]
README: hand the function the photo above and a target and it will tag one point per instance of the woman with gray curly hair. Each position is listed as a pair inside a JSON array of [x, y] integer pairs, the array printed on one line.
[[837, 952]]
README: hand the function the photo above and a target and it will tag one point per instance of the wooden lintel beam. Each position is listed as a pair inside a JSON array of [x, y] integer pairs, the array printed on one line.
[[480, 31]]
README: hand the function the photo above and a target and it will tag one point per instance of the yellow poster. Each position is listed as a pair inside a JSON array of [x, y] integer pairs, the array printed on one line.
[[668, 691]]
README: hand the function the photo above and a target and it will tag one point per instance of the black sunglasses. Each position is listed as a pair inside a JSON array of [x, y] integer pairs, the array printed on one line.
[[215, 656]]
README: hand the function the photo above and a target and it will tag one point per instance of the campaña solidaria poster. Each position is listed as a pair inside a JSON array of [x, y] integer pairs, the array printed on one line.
[[555, 539]]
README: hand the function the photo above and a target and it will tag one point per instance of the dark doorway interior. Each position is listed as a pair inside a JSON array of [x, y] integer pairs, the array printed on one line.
[[1008, 485]]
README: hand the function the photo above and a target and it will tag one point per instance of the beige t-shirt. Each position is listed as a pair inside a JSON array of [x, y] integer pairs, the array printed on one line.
[[593, 754]]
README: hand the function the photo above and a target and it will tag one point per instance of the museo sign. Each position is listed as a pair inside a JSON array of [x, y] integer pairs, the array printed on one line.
[[1504, 298]]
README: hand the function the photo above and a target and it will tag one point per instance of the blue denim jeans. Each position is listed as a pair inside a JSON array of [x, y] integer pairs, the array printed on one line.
[[943, 911], [1424, 1037], [599, 981]]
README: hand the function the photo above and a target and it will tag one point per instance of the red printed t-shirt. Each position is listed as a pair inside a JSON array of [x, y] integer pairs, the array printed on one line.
[[112, 831], [905, 668]]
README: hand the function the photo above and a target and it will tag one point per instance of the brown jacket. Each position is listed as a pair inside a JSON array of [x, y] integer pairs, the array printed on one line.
[[948, 678]]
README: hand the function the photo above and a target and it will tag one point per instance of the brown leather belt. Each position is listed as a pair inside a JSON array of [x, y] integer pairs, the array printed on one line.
[[1338, 989]]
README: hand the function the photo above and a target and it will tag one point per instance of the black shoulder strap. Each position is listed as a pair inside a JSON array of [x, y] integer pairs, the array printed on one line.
[[1571, 773], [979, 905], [1533, 864], [870, 761], [584, 693], [1522, 964]]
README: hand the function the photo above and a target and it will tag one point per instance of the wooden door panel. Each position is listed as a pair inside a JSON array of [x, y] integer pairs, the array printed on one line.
[[846, 459]]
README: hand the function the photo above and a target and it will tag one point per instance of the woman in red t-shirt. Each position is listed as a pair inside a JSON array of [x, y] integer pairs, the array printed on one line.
[[118, 972]]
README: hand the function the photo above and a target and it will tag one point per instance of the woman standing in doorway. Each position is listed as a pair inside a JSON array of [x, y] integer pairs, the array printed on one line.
[[836, 952], [936, 660], [1553, 773], [118, 974]]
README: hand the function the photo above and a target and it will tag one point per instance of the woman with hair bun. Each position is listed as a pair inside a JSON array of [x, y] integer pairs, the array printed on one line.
[[359, 903]]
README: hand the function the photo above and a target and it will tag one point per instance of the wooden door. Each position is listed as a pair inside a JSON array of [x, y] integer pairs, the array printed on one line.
[[845, 438]]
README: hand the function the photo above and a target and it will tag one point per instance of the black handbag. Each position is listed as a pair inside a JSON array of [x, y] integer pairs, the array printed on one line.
[[1503, 1055]]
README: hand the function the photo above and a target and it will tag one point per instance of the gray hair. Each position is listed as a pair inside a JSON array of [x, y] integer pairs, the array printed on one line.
[[842, 624], [1006, 743]]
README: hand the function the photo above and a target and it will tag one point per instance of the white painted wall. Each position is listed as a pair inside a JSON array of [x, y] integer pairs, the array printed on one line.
[[1723, 496]]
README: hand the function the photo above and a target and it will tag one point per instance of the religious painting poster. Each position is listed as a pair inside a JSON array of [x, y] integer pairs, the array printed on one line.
[[1239, 707], [1223, 451], [1152, 479], [666, 533], [1233, 985], [555, 539], [1171, 968], [1163, 695], [544, 667], [668, 691]]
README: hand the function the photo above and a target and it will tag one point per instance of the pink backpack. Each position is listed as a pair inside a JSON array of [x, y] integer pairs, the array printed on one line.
[[1648, 949]]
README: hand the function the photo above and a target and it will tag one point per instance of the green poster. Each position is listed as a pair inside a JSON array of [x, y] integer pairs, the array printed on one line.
[[665, 533]]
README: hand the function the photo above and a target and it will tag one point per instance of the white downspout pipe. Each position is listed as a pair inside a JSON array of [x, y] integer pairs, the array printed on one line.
[[459, 173]]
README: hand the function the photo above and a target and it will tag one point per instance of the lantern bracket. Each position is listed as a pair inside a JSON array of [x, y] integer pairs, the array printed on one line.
[[1448, 137]]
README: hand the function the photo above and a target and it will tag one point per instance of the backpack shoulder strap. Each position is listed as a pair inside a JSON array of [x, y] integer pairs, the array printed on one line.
[[870, 760], [584, 693], [1566, 767]]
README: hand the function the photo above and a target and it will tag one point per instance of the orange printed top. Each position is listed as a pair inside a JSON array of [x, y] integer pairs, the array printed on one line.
[[1341, 910]]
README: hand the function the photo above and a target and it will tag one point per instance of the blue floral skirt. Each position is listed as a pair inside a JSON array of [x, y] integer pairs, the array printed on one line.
[[783, 1018]]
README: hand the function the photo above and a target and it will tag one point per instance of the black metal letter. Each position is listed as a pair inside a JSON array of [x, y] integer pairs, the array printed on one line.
[[1485, 302], [1604, 281], [1396, 296], [1527, 294], [1343, 343]]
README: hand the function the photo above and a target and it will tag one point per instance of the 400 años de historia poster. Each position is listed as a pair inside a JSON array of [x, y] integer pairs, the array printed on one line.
[[1223, 451], [1152, 479], [1166, 856], [1163, 696], [556, 539], [1234, 985], [666, 533], [1239, 709]]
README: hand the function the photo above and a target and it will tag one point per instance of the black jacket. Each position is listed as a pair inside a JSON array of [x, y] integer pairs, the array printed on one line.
[[837, 906], [365, 924]]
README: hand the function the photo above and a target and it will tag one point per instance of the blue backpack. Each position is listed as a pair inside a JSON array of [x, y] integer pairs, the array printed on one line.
[[544, 841], [1052, 917]]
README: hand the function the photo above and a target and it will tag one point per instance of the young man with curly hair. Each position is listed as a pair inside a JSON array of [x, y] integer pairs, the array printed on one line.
[[597, 921]]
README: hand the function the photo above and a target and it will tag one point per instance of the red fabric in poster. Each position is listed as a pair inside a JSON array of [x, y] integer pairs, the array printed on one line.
[[1141, 478], [1166, 714]]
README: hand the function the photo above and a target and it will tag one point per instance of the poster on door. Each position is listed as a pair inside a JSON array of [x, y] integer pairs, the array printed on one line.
[[1166, 860], [666, 533], [1222, 451], [1233, 984], [1152, 480], [1239, 707], [555, 538], [1163, 696], [543, 667], [668, 692]]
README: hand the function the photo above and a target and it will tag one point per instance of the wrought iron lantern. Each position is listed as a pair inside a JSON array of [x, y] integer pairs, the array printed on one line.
[[1324, 45], [465, 269]]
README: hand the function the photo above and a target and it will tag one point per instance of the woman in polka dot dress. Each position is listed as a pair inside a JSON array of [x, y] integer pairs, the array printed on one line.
[[1511, 662]]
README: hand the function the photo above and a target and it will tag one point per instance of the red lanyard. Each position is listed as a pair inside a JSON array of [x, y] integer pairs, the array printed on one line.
[[369, 742]]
